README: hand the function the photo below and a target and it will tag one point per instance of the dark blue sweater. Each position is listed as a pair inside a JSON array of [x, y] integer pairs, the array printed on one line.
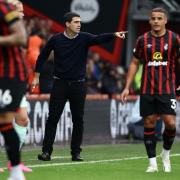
[[70, 55]]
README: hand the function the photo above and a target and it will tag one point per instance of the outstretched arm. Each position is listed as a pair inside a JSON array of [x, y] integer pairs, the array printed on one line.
[[130, 76], [105, 37]]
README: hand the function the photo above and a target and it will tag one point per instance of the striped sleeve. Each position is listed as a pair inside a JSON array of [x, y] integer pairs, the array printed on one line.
[[178, 38], [137, 51]]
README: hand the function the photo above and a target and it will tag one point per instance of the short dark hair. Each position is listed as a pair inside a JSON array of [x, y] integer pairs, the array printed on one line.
[[159, 9], [69, 15]]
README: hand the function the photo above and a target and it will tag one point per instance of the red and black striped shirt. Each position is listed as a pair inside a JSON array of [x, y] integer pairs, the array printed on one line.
[[158, 56], [12, 65]]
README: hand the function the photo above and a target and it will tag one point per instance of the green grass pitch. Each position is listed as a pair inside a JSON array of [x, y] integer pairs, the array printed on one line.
[[101, 162]]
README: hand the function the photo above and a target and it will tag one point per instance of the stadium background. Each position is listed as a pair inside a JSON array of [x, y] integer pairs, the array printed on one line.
[[109, 150]]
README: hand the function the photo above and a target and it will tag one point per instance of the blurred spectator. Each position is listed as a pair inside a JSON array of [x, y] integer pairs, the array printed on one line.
[[35, 43], [39, 31], [91, 78], [109, 80], [103, 77]]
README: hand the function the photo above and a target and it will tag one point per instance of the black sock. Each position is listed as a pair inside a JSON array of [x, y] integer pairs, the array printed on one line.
[[150, 142], [168, 138], [11, 144]]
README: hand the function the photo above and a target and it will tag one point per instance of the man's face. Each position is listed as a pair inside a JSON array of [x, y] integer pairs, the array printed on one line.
[[158, 21], [75, 25]]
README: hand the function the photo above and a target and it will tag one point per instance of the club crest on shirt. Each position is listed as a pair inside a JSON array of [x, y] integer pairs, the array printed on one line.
[[157, 56], [166, 46]]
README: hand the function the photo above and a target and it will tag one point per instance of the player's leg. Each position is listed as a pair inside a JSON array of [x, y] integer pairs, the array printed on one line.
[[77, 101], [150, 141], [147, 112], [20, 124], [12, 145], [57, 102], [21, 121], [167, 106], [12, 92], [168, 139], [2, 120]]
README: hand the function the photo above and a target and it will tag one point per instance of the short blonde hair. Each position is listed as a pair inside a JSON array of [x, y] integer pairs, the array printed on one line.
[[14, 2], [18, 4]]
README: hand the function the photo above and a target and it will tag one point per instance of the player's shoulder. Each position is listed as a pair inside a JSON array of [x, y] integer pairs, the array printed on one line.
[[84, 33], [4, 4], [56, 35], [141, 37], [174, 34]]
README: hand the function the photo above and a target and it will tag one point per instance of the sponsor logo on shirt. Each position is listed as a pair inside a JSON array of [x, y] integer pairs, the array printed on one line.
[[157, 60]]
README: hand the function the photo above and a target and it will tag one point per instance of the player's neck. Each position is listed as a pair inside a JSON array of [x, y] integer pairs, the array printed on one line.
[[70, 34], [158, 33]]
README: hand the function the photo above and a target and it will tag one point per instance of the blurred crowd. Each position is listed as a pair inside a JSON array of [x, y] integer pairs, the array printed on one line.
[[103, 77], [39, 31]]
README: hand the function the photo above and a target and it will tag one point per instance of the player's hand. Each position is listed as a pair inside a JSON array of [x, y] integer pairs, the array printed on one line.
[[124, 95], [121, 34], [35, 81], [178, 88]]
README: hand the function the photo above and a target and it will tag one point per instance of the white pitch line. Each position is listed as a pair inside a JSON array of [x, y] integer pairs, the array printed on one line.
[[91, 162]]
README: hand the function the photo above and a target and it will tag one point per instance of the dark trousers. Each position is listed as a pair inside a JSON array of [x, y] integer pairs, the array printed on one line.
[[75, 92]]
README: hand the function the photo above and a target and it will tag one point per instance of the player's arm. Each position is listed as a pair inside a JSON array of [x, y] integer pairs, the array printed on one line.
[[43, 56], [178, 38], [178, 88], [35, 81], [17, 35], [104, 38], [130, 77]]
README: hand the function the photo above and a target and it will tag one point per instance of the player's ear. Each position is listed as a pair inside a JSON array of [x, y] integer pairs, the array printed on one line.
[[67, 24], [149, 20]]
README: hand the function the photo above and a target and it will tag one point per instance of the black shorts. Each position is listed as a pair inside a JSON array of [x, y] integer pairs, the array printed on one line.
[[11, 93], [157, 104]]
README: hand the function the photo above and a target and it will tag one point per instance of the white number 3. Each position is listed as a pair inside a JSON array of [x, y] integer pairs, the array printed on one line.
[[173, 103]]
